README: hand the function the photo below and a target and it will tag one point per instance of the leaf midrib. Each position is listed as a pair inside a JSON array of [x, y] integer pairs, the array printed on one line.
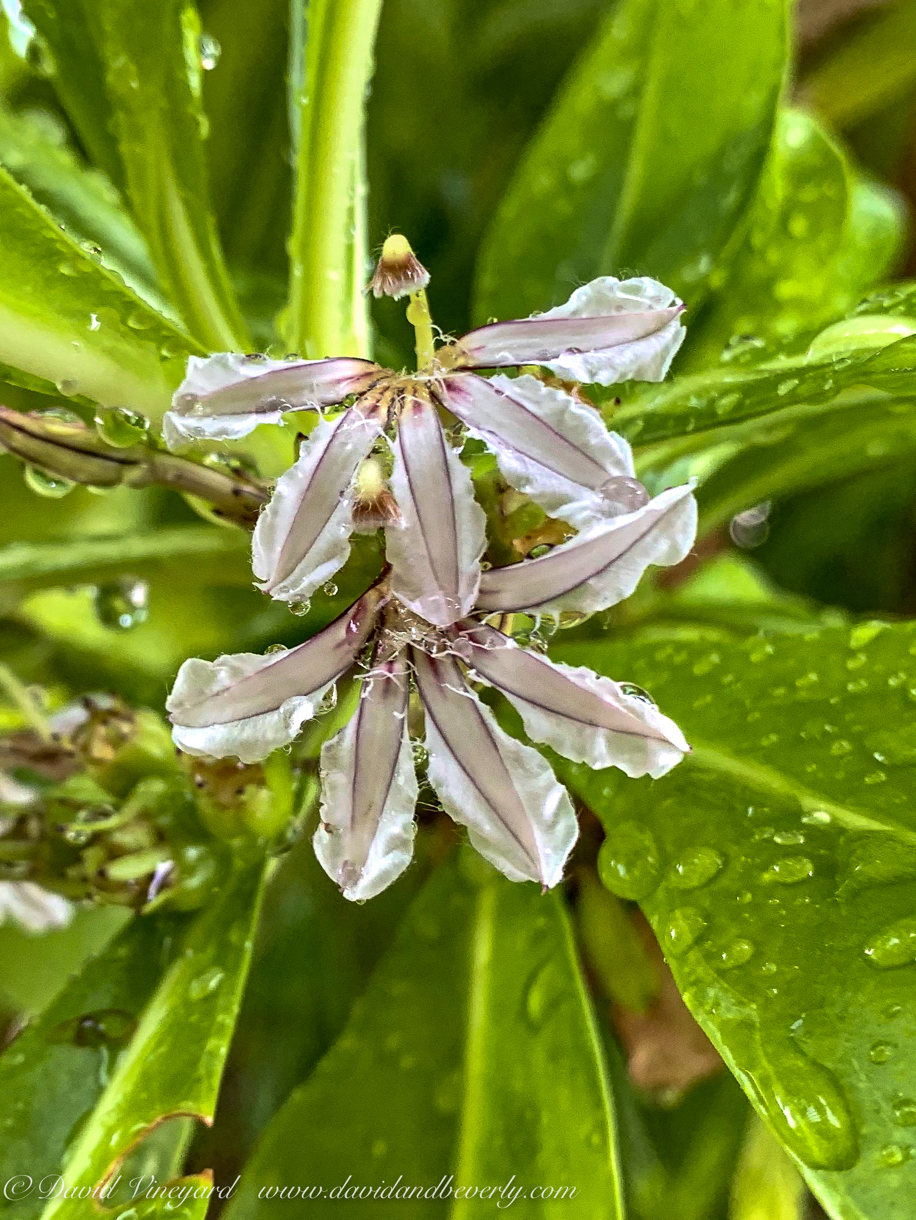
[[759, 775]]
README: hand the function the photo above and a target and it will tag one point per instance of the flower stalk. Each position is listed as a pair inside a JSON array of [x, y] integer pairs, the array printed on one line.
[[328, 80]]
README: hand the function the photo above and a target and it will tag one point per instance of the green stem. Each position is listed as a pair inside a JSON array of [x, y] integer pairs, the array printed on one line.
[[418, 316], [20, 695], [328, 229]]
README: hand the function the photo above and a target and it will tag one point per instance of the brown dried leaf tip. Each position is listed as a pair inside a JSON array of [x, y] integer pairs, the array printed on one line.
[[399, 271]]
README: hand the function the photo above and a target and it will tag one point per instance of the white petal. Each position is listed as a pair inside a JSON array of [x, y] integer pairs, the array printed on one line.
[[247, 705], [549, 446], [608, 331], [32, 907], [369, 790], [581, 715], [518, 816], [435, 552], [644, 359], [303, 536], [600, 566], [227, 395]]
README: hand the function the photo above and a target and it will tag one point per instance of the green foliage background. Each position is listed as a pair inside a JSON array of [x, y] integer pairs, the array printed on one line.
[[175, 181]]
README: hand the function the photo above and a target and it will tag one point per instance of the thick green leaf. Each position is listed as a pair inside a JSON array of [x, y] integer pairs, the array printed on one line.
[[536, 1097], [775, 462], [841, 357], [153, 77], [34, 151], [69, 326], [291, 1016], [777, 865], [34, 969], [818, 237], [173, 1064], [330, 71], [69, 31], [473, 1053], [648, 157], [53, 1074]]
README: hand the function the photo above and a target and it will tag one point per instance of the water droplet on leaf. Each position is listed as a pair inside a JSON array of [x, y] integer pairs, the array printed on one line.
[[788, 871], [880, 1052], [684, 929], [628, 862], [696, 868], [206, 983], [895, 946], [122, 603]]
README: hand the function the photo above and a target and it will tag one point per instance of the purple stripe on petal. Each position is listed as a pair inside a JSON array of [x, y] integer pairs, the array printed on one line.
[[576, 712], [539, 340], [247, 705], [608, 331], [517, 814], [602, 565], [435, 553], [369, 789], [549, 446], [225, 396], [303, 536]]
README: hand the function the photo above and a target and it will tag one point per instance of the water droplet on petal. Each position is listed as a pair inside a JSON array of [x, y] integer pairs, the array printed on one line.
[[880, 1052]]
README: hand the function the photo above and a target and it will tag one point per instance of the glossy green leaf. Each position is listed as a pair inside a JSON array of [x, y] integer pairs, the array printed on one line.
[[774, 460], [173, 1063], [471, 1061], [330, 71], [153, 76], [647, 158], [34, 151], [818, 237], [69, 32], [866, 350], [53, 1074], [69, 326], [777, 866]]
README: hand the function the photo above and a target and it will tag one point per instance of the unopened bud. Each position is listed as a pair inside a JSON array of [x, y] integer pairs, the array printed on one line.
[[399, 271], [63, 448]]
